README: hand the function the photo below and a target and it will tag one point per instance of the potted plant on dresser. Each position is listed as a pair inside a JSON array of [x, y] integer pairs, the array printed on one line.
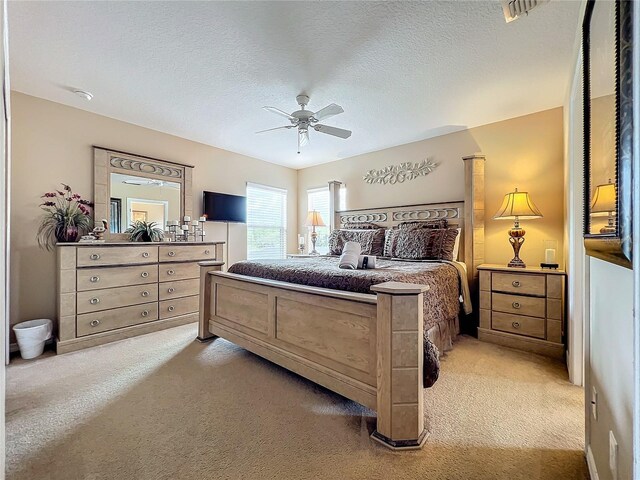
[[67, 217]]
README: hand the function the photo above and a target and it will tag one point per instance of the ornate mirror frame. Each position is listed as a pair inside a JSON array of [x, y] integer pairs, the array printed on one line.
[[106, 162], [613, 247]]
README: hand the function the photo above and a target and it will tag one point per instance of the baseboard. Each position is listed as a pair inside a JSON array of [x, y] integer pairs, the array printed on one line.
[[591, 463]]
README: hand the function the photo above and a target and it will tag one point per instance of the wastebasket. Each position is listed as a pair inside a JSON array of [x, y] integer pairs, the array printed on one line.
[[32, 335]]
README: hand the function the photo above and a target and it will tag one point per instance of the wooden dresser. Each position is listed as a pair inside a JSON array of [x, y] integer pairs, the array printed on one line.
[[111, 291], [523, 308]]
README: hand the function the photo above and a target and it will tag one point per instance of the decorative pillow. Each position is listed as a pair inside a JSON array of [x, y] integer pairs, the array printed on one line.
[[390, 239], [361, 226], [439, 223], [371, 241], [426, 243]]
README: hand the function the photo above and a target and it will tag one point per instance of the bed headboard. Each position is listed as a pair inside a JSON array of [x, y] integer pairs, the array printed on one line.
[[467, 214], [390, 217]]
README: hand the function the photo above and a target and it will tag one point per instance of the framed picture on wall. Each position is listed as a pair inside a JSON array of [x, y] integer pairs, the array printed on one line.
[[608, 109]]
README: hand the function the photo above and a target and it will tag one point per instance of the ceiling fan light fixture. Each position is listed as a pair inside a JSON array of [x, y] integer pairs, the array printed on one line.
[[303, 119]]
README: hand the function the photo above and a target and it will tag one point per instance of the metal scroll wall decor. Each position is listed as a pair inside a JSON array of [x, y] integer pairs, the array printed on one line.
[[400, 173]]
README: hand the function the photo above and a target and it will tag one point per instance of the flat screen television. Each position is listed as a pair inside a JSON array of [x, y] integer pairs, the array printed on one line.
[[221, 207]]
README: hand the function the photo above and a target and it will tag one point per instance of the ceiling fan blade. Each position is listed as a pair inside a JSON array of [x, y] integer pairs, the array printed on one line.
[[277, 111], [277, 128], [336, 132], [328, 111], [304, 137]]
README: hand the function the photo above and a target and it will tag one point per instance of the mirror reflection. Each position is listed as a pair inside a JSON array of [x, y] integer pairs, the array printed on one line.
[[602, 71], [140, 198]]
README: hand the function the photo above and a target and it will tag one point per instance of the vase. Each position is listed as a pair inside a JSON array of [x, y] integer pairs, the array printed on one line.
[[69, 234]]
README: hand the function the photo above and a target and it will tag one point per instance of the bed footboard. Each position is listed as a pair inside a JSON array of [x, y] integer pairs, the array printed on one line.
[[368, 348]]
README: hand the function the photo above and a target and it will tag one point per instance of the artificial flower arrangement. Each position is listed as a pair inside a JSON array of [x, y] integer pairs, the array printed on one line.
[[67, 217]]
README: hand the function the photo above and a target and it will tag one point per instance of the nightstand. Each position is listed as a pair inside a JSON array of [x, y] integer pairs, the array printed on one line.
[[523, 308]]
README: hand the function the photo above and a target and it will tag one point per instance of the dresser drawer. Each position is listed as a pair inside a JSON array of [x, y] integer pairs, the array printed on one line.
[[518, 304], [180, 288], [97, 322], [92, 256], [95, 300], [520, 283], [106, 277], [179, 271], [179, 306], [179, 253], [528, 326]]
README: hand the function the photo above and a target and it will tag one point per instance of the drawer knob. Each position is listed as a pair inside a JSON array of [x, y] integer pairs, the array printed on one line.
[[145, 254], [515, 283], [172, 253], [94, 301], [515, 325], [515, 305], [94, 279], [145, 294], [170, 272], [171, 290], [207, 252], [94, 323], [171, 308], [144, 274], [95, 256], [145, 313]]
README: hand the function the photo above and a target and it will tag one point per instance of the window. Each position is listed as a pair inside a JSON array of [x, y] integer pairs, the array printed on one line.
[[318, 199], [266, 222]]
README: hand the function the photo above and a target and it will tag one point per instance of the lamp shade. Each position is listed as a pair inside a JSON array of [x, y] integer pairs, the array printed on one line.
[[314, 219], [604, 198], [518, 204]]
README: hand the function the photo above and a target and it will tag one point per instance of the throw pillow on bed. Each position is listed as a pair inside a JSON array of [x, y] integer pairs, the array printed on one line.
[[371, 241], [426, 243]]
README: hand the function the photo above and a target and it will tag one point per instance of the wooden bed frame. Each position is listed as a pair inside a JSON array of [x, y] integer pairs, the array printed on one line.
[[368, 348]]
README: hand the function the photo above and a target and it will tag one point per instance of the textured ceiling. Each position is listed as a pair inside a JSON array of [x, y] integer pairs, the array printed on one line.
[[403, 71]]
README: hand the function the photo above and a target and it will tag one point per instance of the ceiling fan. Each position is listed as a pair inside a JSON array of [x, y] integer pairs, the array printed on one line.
[[304, 119]]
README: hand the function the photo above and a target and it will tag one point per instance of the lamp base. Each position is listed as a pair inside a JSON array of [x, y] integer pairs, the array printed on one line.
[[608, 229], [516, 263], [516, 239]]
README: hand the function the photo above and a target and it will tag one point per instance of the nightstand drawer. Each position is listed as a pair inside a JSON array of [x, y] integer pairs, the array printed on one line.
[[520, 283], [518, 304], [521, 325]]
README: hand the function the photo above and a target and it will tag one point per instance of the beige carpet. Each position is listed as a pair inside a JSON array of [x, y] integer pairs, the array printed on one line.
[[163, 406]]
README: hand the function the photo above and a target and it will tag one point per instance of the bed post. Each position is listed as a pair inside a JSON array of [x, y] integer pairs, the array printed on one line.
[[400, 401], [334, 204], [473, 219], [206, 299]]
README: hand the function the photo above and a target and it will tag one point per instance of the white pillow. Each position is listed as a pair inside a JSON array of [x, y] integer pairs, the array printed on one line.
[[456, 246]]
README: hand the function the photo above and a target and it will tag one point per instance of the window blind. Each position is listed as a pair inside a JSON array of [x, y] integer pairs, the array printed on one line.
[[318, 199], [266, 222]]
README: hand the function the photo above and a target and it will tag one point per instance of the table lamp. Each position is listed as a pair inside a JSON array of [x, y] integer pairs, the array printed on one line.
[[517, 206], [604, 201], [314, 220]]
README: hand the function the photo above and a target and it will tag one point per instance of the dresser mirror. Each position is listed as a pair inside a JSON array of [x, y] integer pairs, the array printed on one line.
[[130, 187], [607, 125]]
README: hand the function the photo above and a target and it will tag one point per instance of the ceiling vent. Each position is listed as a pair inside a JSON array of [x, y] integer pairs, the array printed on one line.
[[514, 9]]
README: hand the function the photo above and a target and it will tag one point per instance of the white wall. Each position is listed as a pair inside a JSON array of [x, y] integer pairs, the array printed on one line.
[[610, 367]]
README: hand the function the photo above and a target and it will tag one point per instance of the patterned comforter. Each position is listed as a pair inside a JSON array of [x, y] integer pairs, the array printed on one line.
[[441, 302]]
